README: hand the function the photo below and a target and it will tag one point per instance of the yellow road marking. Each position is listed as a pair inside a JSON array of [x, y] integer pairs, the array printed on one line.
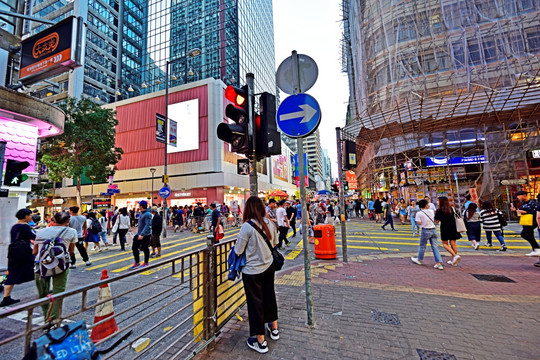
[[369, 248], [170, 247]]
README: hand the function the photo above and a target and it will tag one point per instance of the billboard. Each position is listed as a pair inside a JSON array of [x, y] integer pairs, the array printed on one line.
[[280, 167], [55, 50], [185, 116]]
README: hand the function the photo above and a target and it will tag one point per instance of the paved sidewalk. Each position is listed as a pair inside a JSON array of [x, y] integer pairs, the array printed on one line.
[[386, 307]]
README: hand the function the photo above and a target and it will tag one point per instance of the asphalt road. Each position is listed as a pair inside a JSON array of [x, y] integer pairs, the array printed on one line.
[[362, 237]]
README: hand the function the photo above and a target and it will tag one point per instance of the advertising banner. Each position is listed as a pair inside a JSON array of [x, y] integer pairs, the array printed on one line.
[[297, 170], [160, 128], [279, 167], [173, 137]]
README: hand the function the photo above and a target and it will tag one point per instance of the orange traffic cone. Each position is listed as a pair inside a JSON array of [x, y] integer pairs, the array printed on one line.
[[103, 312]]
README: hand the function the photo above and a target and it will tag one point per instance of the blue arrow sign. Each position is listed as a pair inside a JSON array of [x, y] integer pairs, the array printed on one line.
[[299, 115], [164, 192]]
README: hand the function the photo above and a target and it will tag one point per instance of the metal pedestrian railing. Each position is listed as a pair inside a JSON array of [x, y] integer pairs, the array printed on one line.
[[180, 310]]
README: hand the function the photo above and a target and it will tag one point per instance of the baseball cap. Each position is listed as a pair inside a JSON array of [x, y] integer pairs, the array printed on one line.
[[521, 192], [143, 203]]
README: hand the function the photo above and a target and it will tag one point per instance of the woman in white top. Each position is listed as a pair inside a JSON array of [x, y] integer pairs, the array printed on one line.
[[121, 225], [426, 219], [255, 238]]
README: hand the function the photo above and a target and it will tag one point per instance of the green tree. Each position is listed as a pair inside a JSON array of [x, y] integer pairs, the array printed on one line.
[[87, 143]]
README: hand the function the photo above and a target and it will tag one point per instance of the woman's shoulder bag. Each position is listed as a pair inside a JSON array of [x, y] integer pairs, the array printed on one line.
[[279, 260]]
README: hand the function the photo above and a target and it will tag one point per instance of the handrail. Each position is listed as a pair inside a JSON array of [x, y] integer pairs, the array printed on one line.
[[174, 301]]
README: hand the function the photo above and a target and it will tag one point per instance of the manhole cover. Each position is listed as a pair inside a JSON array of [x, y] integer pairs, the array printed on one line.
[[385, 318], [496, 278], [433, 355]]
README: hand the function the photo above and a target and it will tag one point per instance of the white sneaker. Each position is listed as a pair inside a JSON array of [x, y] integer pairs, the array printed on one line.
[[455, 260], [534, 253], [416, 261], [274, 333], [449, 262]]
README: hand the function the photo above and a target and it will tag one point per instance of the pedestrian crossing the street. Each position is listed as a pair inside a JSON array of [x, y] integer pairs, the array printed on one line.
[[362, 237], [367, 236], [116, 261]]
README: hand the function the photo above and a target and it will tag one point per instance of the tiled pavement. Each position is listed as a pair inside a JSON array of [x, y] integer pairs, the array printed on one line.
[[448, 313]]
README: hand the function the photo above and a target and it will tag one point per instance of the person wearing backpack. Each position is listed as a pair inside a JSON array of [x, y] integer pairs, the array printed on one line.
[[94, 228], [53, 247], [20, 259]]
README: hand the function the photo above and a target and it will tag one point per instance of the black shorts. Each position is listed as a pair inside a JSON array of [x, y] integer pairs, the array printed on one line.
[[154, 241]]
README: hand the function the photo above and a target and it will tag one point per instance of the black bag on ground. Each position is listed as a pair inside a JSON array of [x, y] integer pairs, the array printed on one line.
[[279, 260]]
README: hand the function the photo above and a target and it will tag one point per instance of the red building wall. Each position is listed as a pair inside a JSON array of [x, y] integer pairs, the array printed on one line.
[[136, 131]]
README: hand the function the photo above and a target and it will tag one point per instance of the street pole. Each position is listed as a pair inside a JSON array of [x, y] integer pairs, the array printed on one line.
[[341, 195], [253, 187], [164, 231], [152, 171], [2, 154], [457, 190], [302, 172]]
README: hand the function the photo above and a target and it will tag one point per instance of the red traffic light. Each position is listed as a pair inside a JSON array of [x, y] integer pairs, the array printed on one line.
[[236, 95], [336, 183]]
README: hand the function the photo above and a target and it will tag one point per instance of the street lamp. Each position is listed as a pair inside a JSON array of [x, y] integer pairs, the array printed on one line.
[[152, 170], [193, 53]]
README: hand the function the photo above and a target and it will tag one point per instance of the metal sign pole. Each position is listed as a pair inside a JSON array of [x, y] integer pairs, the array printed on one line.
[[300, 145], [341, 195], [253, 186], [164, 231]]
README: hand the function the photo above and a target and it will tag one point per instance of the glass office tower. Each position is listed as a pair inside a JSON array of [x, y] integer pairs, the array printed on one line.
[[111, 70], [223, 39]]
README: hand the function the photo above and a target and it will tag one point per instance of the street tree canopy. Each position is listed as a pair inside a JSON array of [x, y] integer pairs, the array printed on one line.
[[87, 144]]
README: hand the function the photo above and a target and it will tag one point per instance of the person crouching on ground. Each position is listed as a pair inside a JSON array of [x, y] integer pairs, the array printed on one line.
[[141, 241], [258, 273], [157, 226], [425, 217]]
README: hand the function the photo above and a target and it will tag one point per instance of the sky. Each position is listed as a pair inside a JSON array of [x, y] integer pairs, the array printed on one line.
[[314, 28]]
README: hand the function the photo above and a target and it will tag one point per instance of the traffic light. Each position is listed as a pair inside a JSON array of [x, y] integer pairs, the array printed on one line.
[[268, 140], [14, 175], [335, 187], [350, 155], [346, 185], [236, 134]]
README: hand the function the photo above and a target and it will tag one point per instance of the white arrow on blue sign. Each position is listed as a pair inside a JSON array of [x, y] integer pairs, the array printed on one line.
[[299, 115], [164, 192]]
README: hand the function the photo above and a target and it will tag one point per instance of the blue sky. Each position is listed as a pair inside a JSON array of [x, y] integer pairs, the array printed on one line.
[[313, 27]]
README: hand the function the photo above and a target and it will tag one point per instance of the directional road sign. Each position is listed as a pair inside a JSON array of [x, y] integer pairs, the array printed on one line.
[[299, 115], [307, 73], [164, 192], [113, 191]]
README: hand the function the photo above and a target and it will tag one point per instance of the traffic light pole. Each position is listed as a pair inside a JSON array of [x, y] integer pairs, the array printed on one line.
[[253, 187], [303, 201], [341, 195], [2, 153]]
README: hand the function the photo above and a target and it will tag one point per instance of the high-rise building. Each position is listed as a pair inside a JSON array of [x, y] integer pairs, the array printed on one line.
[[312, 148], [439, 89], [115, 35], [210, 38], [222, 39], [326, 169]]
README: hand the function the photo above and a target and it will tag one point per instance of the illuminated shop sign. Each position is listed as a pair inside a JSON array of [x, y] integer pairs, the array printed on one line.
[[442, 161], [55, 50]]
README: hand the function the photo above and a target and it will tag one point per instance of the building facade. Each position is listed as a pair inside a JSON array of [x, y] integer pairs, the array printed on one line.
[[439, 89], [201, 167], [115, 44], [326, 170], [202, 39]]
